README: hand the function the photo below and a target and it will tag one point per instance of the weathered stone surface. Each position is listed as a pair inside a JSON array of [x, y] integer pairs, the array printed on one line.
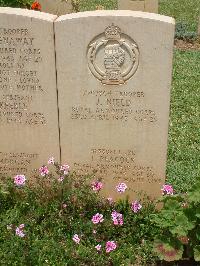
[[131, 5], [151, 6], [139, 5], [28, 104], [57, 7], [114, 92]]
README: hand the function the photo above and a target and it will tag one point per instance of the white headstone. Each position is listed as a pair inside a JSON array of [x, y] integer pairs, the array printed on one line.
[[57, 7], [139, 5], [28, 96], [114, 83]]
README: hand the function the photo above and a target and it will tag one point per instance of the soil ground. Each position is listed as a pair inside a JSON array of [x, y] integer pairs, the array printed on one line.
[[185, 45]]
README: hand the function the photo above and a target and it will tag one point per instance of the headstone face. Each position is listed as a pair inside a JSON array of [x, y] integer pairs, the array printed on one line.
[[28, 104], [57, 7], [139, 5], [114, 94]]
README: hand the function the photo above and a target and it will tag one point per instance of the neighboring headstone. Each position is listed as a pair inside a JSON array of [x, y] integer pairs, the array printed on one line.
[[151, 6], [114, 92], [139, 5], [131, 5], [57, 7], [28, 97]]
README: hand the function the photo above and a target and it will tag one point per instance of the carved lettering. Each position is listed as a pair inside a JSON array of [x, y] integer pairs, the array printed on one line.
[[17, 52], [117, 164], [14, 162]]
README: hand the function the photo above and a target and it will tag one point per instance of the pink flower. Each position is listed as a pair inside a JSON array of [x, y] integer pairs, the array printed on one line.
[[121, 187], [117, 218], [136, 206], [65, 169], [19, 231], [76, 239], [94, 232], [51, 160], [97, 186], [98, 247], [19, 180], [61, 178], [97, 218], [64, 206], [43, 170], [21, 226], [110, 246], [167, 190]]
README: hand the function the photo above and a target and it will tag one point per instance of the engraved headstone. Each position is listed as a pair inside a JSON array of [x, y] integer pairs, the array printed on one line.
[[28, 97], [57, 7], [114, 96], [139, 5]]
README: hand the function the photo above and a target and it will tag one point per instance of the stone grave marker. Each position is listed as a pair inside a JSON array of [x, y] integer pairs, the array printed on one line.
[[28, 97], [57, 7], [114, 83], [139, 5]]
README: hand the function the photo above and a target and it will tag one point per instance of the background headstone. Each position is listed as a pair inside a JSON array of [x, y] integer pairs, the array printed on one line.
[[57, 7], [28, 97], [114, 96], [139, 5]]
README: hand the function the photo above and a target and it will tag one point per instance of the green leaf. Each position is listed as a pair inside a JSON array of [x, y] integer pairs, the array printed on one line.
[[198, 233], [197, 253], [163, 220], [172, 204], [182, 225], [168, 250], [194, 194], [197, 212]]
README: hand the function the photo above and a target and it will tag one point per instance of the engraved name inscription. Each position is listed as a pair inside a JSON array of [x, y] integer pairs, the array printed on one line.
[[110, 105], [117, 164], [20, 82], [15, 162]]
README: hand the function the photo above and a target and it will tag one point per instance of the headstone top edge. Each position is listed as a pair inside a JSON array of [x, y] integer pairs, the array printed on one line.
[[28, 13], [117, 13]]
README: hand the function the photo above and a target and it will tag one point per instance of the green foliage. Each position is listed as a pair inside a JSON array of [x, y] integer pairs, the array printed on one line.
[[76, 5], [183, 149], [197, 253], [183, 34], [93, 4], [185, 11], [194, 195], [168, 250], [179, 222], [16, 3], [54, 211]]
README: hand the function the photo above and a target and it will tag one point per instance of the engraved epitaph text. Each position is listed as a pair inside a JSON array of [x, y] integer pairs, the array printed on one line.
[[28, 106]]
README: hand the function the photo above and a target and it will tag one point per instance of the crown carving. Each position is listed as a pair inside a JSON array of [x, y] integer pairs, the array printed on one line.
[[113, 32]]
